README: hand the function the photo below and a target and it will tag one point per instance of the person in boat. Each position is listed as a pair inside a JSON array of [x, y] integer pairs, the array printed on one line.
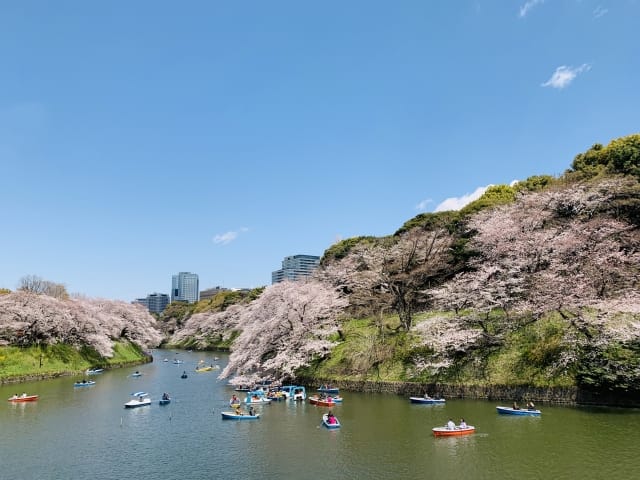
[[165, 396], [516, 406], [24, 395], [427, 397], [451, 425], [531, 406], [463, 424], [234, 400], [238, 411], [251, 411], [331, 419]]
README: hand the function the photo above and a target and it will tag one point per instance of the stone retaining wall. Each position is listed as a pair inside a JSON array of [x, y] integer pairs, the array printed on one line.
[[557, 395]]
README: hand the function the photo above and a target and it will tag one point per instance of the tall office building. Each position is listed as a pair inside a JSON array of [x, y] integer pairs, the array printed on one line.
[[185, 287], [295, 267]]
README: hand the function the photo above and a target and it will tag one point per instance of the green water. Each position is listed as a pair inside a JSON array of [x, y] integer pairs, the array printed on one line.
[[73, 433]]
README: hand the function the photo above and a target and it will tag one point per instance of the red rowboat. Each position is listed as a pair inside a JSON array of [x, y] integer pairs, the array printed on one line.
[[447, 432], [322, 402], [23, 398]]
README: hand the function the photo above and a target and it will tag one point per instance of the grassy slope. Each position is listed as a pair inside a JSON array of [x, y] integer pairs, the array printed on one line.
[[60, 359], [529, 355]]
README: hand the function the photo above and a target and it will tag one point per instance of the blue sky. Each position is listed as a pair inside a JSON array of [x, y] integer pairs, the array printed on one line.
[[139, 139]]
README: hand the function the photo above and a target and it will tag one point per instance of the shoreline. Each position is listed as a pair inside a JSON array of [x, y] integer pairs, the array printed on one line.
[[570, 396], [33, 377]]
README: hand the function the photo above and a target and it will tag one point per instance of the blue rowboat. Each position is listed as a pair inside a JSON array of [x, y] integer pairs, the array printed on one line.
[[427, 401], [518, 411], [327, 389], [86, 383], [328, 424]]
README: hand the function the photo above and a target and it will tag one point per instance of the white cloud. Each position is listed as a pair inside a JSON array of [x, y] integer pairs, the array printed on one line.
[[564, 75], [600, 11], [456, 203], [228, 237], [422, 206], [524, 9]]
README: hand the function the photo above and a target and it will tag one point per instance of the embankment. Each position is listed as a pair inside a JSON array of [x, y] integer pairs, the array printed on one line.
[[548, 395]]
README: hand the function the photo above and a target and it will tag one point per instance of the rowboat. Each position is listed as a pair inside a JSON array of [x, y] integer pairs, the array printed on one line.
[[329, 423], [141, 399], [94, 371], [165, 400], [328, 389], [84, 383], [448, 432], [427, 401], [518, 411], [136, 374], [207, 368], [23, 398], [324, 401], [239, 416]]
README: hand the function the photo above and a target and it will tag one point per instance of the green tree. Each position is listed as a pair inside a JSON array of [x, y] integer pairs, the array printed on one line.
[[621, 155]]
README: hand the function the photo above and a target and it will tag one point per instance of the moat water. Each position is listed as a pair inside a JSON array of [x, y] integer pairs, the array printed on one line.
[[79, 433]]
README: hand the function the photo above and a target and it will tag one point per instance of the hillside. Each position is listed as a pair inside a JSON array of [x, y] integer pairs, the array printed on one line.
[[43, 335], [533, 284]]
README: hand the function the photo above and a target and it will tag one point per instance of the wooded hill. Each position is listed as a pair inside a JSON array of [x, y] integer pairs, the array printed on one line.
[[533, 284]]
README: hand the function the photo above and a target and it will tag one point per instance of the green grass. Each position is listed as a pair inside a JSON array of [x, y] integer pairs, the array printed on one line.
[[373, 349], [60, 359]]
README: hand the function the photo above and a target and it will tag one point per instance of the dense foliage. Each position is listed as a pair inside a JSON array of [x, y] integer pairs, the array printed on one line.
[[621, 155]]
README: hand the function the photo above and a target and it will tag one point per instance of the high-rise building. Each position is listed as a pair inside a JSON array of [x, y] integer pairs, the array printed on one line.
[[185, 287], [295, 267], [155, 302]]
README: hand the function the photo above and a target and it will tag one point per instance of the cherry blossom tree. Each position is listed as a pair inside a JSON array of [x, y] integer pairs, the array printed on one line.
[[30, 319], [287, 327], [393, 272], [202, 329], [565, 250]]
